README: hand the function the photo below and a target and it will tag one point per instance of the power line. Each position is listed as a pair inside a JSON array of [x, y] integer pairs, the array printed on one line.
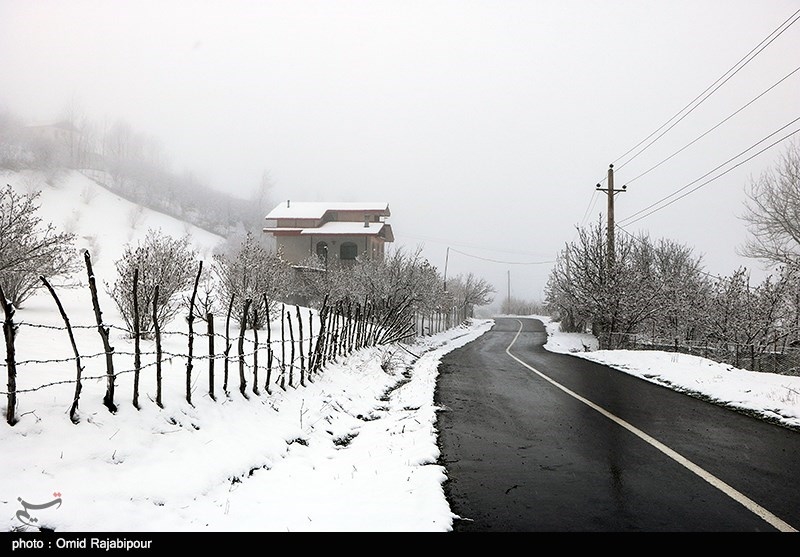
[[705, 273], [711, 89], [711, 179], [590, 207], [784, 78], [503, 262], [451, 243]]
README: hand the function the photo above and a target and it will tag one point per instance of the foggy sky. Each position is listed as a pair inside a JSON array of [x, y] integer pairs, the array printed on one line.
[[484, 124]]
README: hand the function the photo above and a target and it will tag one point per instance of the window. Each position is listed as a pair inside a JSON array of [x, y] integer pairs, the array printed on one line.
[[348, 251]]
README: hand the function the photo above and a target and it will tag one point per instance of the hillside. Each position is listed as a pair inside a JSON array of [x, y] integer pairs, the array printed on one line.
[[102, 221], [203, 466]]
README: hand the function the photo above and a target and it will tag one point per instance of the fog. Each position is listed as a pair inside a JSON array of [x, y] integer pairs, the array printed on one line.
[[485, 125]]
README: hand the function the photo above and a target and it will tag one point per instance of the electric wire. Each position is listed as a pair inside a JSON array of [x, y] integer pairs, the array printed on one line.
[[713, 87], [705, 273], [630, 220], [589, 208], [503, 262], [784, 78], [450, 243]]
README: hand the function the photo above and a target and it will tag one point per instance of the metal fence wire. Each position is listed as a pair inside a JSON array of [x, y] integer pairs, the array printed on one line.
[[780, 358]]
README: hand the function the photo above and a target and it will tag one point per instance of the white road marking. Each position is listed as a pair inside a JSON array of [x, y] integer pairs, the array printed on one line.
[[677, 457]]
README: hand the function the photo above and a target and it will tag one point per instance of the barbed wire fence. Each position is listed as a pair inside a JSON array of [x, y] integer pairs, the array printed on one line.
[[341, 328], [775, 357]]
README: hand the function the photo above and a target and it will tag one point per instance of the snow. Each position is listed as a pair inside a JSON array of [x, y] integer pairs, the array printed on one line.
[[335, 455], [348, 228], [317, 209], [354, 450]]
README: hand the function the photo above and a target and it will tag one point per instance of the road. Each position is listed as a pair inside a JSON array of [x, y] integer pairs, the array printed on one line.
[[535, 441]]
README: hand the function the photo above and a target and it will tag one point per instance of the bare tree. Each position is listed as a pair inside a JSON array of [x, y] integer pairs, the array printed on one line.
[[469, 291], [745, 314], [248, 271], [30, 249], [773, 212], [162, 261], [649, 283], [684, 292]]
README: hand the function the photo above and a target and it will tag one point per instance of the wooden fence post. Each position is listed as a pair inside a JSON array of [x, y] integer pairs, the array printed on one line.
[[319, 345], [310, 344], [227, 346], [210, 322], [242, 329], [283, 351], [137, 352], [269, 348], [189, 364], [9, 332], [300, 346], [157, 328], [255, 352], [108, 399], [291, 341], [78, 386]]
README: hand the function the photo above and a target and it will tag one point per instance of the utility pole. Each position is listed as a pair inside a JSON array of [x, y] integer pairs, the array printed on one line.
[[610, 192], [446, 258], [509, 291]]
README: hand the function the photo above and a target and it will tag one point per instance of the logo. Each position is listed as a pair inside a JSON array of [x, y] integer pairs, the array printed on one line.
[[25, 517]]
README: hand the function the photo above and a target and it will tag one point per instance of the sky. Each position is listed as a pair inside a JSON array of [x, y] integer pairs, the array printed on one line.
[[354, 451], [484, 125]]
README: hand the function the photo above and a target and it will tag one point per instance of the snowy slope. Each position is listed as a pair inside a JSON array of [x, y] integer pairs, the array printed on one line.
[[102, 221], [270, 462]]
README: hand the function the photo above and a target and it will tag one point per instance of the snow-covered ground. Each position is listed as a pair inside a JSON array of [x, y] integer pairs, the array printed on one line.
[[354, 450]]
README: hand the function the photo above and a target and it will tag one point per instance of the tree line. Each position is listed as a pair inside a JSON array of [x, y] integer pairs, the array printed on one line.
[[130, 163], [359, 303], [245, 268], [657, 289]]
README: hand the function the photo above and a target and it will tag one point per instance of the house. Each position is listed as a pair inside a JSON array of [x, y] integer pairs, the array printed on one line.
[[329, 231], [63, 132]]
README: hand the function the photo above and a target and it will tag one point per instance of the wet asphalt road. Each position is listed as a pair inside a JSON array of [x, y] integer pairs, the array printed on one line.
[[574, 446]]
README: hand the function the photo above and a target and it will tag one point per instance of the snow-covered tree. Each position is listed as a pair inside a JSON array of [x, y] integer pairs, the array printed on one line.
[[750, 318], [249, 270], [163, 261], [575, 292], [773, 212], [648, 283], [29, 248], [684, 293], [392, 289], [468, 291]]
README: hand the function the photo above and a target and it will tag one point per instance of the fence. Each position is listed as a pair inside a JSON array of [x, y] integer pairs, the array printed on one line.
[[305, 346], [434, 322], [780, 358]]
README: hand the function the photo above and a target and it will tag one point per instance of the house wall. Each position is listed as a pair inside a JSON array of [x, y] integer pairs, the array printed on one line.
[[297, 223], [353, 216], [295, 248], [298, 248]]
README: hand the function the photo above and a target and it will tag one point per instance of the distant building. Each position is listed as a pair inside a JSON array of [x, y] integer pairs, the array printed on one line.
[[329, 231], [63, 131]]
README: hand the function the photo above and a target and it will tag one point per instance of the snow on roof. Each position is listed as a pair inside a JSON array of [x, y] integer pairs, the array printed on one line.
[[316, 209], [346, 228]]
